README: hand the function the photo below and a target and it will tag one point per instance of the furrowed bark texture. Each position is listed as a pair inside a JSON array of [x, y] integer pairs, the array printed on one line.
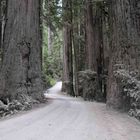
[[94, 43], [67, 52], [90, 48], [125, 45], [106, 49], [98, 45], [0, 23], [21, 66]]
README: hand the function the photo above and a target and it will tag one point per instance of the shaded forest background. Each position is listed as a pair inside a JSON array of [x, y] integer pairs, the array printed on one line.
[[91, 45]]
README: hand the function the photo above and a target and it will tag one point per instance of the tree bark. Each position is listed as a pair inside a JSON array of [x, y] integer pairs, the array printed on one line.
[[0, 25], [125, 51], [21, 66], [106, 49], [98, 42], [76, 54], [49, 40], [94, 42], [68, 56], [90, 48]]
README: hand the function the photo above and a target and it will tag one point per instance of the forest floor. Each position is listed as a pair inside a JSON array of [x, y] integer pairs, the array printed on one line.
[[67, 118]]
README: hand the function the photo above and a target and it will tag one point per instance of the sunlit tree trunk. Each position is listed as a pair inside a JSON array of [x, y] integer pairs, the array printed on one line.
[[50, 45]]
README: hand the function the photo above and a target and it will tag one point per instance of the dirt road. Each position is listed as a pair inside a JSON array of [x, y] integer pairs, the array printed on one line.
[[67, 118]]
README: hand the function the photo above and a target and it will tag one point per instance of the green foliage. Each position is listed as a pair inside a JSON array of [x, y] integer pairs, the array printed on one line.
[[52, 12], [129, 84], [52, 64]]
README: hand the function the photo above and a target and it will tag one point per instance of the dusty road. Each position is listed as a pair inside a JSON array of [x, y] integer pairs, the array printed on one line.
[[67, 118]]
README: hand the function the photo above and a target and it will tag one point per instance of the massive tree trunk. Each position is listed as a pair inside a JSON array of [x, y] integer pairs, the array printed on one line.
[[21, 67], [0, 24], [98, 45], [68, 56], [106, 49], [90, 48], [125, 51], [94, 42], [76, 40]]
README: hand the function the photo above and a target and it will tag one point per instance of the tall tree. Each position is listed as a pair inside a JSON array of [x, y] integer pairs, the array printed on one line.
[[75, 10], [0, 23], [68, 56], [125, 30], [50, 10], [90, 47], [21, 66], [98, 44], [94, 42], [106, 47], [50, 45]]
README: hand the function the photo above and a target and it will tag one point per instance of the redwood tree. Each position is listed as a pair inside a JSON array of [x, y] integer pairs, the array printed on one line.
[[90, 47], [21, 66], [125, 32], [67, 51], [0, 23]]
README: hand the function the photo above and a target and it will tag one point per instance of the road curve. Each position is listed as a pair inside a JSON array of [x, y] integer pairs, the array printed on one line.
[[67, 118]]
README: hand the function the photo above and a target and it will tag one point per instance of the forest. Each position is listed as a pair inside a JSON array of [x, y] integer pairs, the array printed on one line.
[[91, 46]]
